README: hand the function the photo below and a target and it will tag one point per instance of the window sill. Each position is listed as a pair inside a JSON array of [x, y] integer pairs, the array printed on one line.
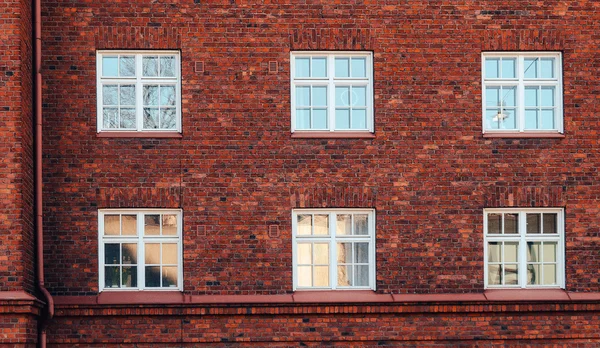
[[333, 135], [527, 295], [106, 134], [523, 135]]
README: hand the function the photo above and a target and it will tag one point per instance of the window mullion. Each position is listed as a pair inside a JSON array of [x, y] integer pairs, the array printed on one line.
[[332, 251], [523, 250], [521, 92], [331, 92], [141, 252], [139, 93]]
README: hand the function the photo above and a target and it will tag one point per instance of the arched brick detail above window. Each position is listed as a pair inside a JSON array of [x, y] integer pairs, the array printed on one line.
[[331, 39], [334, 197], [529, 196]]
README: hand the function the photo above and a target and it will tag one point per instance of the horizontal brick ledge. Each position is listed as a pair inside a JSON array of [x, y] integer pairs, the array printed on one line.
[[333, 135], [139, 135], [523, 135]]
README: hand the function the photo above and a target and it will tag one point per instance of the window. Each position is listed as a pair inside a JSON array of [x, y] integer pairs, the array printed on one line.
[[524, 248], [522, 92], [140, 249], [332, 91], [334, 249], [138, 91]]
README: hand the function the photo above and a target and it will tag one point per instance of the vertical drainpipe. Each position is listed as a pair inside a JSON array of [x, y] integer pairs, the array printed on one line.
[[37, 95]]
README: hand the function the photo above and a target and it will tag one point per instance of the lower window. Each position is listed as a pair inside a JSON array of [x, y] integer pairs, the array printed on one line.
[[524, 248], [140, 249], [334, 248]]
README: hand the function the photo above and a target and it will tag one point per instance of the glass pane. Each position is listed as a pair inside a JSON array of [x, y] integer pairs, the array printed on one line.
[[359, 119], [152, 253], [304, 224], [304, 276], [549, 274], [533, 252], [492, 96], [511, 223], [547, 96], [153, 276], [110, 66], [361, 254], [109, 95], [304, 253], [167, 95], [112, 277], [362, 276], [111, 225], [492, 121], [509, 96], [151, 95], [511, 252], [303, 96], [342, 119], [344, 224], [167, 66], [111, 254], [359, 96], [344, 252], [319, 118], [321, 224], [508, 68], [303, 67], [547, 68], [491, 68], [128, 118], [150, 118], [167, 118], [506, 119], [550, 223], [533, 223], [359, 67], [129, 276], [129, 227], [169, 277], [321, 256], [342, 96], [547, 121], [127, 66], [549, 252], [494, 223], [533, 275], [341, 67], [319, 67], [319, 96], [361, 224], [494, 274], [110, 118], [531, 119], [150, 66], [531, 96], [511, 274], [152, 224], [530, 68], [129, 254], [321, 275], [345, 275], [169, 254], [302, 119], [494, 252], [169, 224]]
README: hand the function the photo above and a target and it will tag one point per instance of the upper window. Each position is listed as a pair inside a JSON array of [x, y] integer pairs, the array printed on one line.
[[524, 248], [522, 92], [140, 249], [332, 91], [138, 91], [334, 249]]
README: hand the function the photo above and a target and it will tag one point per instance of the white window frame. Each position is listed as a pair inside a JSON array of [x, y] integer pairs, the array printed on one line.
[[141, 241], [138, 81], [522, 238], [332, 240], [520, 82], [331, 82]]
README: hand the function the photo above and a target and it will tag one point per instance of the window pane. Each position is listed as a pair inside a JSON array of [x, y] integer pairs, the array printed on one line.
[[531, 119], [303, 96], [152, 224], [304, 253], [302, 119], [362, 275], [491, 68], [550, 223], [150, 118], [511, 252], [167, 118], [151, 95], [169, 277], [112, 277], [359, 67], [321, 256], [152, 253], [342, 96], [494, 223], [319, 67], [533, 252], [169, 224], [344, 252], [129, 254], [549, 274], [361, 254], [321, 224], [511, 274], [492, 96], [153, 276], [549, 252], [127, 66], [110, 66], [150, 66], [508, 68], [341, 67], [492, 120], [531, 96], [547, 121], [128, 118], [111, 254], [359, 96], [361, 224], [304, 276], [319, 118], [533, 275], [344, 224], [304, 224], [547, 97], [494, 252], [109, 95], [169, 254], [129, 225], [511, 223], [342, 118], [321, 276], [345, 275], [533, 223], [509, 96], [112, 225], [110, 118], [494, 274], [506, 119], [359, 119], [167, 66], [129, 276], [530, 68], [319, 96], [547, 68], [167, 95], [303, 67]]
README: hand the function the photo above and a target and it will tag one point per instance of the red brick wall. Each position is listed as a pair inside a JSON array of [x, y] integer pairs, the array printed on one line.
[[17, 330]]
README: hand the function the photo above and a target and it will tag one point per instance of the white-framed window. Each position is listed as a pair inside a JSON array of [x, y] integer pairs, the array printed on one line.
[[333, 248], [140, 249], [332, 91], [138, 91], [524, 248], [522, 92]]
